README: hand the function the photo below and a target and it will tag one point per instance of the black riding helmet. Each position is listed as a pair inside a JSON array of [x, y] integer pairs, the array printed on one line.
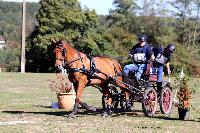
[[142, 38], [171, 47]]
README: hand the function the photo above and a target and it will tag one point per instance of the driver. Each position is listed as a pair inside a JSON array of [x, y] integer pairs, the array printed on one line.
[[140, 53]]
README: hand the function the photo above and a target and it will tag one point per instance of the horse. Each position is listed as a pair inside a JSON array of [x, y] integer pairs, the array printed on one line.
[[83, 71]]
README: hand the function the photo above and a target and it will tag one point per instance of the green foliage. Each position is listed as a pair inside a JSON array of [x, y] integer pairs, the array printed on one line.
[[112, 35], [9, 59], [183, 59], [64, 20], [10, 29], [123, 14]]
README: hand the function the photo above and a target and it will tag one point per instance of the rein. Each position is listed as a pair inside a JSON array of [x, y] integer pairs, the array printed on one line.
[[90, 72], [79, 58]]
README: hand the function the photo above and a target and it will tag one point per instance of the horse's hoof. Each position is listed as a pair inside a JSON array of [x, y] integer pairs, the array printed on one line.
[[104, 114], [130, 108], [110, 112], [71, 115], [93, 108]]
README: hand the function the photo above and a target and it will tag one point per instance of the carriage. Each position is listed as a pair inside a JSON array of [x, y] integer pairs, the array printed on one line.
[[145, 92], [105, 73]]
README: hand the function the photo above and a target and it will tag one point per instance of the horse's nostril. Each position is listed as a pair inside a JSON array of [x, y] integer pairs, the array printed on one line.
[[58, 66], [58, 70]]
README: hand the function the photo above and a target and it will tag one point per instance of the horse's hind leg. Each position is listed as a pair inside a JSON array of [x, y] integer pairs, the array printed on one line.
[[128, 106], [107, 99]]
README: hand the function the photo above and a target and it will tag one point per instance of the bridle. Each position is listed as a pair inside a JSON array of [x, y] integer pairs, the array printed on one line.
[[66, 64]]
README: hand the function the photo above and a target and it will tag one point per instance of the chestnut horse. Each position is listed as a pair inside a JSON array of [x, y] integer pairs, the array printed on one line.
[[83, 71]]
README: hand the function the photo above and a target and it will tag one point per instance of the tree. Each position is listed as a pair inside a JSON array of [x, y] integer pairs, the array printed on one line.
[[184, 8], [123, 14], [10, 29], [196, 34], [63, 20]]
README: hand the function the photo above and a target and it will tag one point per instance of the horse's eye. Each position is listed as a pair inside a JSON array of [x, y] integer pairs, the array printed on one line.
[[63, 53], [61, 59]]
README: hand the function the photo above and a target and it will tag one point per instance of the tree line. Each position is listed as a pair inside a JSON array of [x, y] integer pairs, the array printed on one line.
[[108, 35]]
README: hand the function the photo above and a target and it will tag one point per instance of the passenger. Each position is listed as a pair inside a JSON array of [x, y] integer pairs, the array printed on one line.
[[162, 56]]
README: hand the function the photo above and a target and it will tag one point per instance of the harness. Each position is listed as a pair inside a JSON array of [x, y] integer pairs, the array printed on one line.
[[89, 72]]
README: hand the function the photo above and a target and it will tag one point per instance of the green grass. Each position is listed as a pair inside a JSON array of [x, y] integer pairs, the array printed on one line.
[[26, 97]]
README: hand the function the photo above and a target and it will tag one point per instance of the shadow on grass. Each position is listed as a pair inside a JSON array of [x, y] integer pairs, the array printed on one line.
[[82, 112], [56, 112], [172, 119], [139, 113]]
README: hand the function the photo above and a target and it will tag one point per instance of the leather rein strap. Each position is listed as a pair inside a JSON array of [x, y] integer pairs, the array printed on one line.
[[83, 69]]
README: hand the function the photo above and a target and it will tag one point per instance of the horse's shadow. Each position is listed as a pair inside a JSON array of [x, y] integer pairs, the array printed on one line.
[[55, 112], [59, 113], [82, 112]]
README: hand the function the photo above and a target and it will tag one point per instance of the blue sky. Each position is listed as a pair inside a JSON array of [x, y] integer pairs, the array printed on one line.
[[101, 6]]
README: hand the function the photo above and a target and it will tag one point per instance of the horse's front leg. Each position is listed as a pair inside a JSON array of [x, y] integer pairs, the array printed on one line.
[[88, 108], [79, 90], [79, 87]]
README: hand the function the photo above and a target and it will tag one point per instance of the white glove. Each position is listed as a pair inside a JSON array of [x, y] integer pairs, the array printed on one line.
[[168, 71]]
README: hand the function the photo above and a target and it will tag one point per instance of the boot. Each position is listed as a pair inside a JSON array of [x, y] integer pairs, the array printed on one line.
[[159, 88]]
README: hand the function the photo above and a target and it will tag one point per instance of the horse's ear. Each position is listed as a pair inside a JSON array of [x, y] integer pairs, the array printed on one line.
[[60, 41], [53, 41]]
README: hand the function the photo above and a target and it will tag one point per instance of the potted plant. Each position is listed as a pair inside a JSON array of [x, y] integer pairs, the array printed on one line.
[[64, 90], [184, 95]]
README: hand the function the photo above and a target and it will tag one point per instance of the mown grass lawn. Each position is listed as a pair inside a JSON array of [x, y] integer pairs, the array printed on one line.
[[25, 106]]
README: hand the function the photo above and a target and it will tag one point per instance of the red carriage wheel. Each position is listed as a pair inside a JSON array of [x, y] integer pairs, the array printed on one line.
[[149, 103], [166, 100]]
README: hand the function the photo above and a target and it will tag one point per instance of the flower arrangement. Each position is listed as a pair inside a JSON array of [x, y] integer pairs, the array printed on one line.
[[60, 84], [186, 87], [184, 94]]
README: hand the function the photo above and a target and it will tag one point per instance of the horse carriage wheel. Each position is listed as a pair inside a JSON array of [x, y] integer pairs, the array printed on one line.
[[149, 102], [166, 100]]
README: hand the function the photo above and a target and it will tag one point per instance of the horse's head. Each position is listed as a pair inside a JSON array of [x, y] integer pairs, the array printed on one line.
[[59, 52]]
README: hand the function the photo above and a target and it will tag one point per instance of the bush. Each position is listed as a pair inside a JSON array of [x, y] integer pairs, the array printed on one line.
[[10, 59]]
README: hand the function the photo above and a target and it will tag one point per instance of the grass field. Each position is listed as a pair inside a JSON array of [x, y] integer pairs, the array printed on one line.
[[25, 106]]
